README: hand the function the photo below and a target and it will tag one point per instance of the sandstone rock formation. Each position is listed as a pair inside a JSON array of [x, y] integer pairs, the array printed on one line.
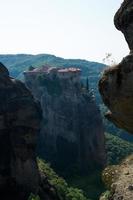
[[123, 21], [119, 180], [72, 134], [116, 88], [116, 85], [20, 118]]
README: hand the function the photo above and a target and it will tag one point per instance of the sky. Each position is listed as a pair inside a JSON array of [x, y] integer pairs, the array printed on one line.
[[66, 28]]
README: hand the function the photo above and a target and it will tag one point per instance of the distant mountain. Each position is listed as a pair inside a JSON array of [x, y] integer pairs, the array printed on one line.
[[21, 62], [18, 63]]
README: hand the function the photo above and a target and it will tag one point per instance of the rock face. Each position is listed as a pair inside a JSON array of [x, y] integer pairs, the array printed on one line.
[[119, 180], [116, 85], [116, 88], [123, 21], [72, 133], [20, 118]]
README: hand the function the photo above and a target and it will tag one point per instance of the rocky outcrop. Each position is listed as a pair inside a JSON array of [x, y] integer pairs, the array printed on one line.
[[116, 88], [72, 134], [116, 85], [123, 21], [119, 180], [20, 118]]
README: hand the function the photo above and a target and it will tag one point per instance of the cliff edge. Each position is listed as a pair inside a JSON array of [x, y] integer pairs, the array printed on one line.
[[116, 88], [72, 134], [116, 85], [119, 180], [20, 118]]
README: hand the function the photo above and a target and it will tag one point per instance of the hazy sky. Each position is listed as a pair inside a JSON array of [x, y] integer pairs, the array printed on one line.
[[66, 28]]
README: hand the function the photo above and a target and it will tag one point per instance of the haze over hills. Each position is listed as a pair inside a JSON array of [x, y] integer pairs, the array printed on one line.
[[18, 63], [21, 62], [63, 122], [15, 88]]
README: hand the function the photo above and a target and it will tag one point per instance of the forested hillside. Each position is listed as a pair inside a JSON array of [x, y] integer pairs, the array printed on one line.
[[93, 70], [18, 63]]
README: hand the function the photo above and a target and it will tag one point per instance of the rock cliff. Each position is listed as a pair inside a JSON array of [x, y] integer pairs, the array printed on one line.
[[119, 180], [72, 134], [116, 85], [116, 88], [20, 118]]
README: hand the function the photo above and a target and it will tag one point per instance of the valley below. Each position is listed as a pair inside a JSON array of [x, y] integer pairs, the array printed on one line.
[[66, 125]]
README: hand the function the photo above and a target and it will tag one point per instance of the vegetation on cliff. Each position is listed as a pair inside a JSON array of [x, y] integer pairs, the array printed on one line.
[[64, 191], [21, 62], [71, 134], [117, 149], [80, 187]]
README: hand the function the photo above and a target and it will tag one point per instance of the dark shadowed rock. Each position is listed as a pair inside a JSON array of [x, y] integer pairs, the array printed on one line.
[[116, 85], [3, 70], [124, 21], [116, 88], [20, 118], [72, 134]]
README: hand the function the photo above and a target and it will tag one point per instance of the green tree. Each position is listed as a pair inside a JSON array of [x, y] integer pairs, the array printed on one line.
[[87, 83], [64, 191], [31, 68], [33, 197], [75, 194], [117, 149]]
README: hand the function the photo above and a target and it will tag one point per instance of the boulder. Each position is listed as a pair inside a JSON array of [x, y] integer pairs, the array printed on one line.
[[116, 84]]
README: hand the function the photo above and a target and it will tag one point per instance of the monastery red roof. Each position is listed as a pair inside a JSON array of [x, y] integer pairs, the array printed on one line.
[[69, 70]]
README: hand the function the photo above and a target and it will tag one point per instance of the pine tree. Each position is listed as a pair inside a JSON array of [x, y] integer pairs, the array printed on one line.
[[87, 84]]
